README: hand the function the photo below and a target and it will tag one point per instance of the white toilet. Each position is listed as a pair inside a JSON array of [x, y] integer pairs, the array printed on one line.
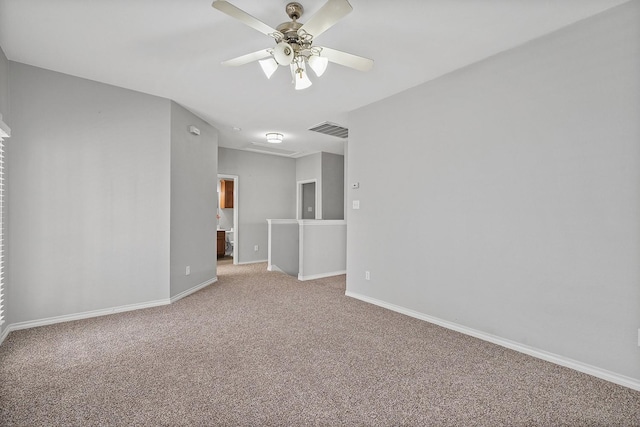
[[229, 242]]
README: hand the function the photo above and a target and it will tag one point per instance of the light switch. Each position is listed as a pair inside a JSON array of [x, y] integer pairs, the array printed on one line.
[[356, 204]]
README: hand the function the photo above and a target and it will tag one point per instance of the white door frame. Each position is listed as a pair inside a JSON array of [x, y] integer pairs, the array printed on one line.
[[236, 223], [299, 198]]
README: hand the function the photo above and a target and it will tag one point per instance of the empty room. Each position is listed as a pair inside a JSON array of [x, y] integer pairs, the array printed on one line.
[[324, 212]]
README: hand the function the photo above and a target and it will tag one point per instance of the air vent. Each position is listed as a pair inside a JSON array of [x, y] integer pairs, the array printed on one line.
[[332, 129]]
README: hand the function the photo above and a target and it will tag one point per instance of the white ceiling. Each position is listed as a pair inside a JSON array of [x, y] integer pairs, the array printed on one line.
[[173, 49]]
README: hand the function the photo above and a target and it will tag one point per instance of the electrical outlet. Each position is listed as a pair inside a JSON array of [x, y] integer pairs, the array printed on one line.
[[638, 337], [356, 204], [187, 270], [255, 248], [367, 275]]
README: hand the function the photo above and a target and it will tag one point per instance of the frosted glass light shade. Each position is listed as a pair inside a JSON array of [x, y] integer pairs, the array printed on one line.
[[302, 81], [318, 64], [300, 77], [283, 53], [274, 138], [269, 66]]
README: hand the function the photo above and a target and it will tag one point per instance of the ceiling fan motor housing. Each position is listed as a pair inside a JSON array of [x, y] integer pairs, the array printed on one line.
[[289, 29]]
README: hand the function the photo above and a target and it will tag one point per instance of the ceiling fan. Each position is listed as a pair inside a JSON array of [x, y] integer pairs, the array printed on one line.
[[294, 42]]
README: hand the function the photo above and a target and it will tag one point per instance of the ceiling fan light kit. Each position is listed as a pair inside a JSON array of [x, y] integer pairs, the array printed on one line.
[[294, 42]]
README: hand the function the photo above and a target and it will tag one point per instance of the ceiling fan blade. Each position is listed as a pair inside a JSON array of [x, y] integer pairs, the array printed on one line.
[[242, 16], [326, 17], [347, 59], [249, 57]]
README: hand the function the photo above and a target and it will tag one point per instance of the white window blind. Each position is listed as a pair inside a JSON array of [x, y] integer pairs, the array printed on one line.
[[1, 230], [5, 132]]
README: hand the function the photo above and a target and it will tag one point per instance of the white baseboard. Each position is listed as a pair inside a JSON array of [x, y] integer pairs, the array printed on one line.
[[86, 314], [5, 333], [101, 312], [604, 374], [321, 275], [252, 262], [275, 268], [192, 290]]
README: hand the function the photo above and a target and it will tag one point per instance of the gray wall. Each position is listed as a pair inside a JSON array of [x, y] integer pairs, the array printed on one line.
[[519, 184], [266, 189], [89, 189], [194, 164], [322, 249], [328, 170], [309, 167], [332, 186], [285, 253], [4, 86]]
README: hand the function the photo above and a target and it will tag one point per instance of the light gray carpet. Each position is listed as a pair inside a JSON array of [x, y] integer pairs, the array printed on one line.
[[260, 348]]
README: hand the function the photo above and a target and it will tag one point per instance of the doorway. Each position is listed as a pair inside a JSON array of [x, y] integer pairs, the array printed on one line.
[[309, 200], [309, 203], [227, 219]]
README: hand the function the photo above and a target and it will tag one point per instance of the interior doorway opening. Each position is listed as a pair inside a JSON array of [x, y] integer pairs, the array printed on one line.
[[309, 200], [309, 205], [227, 221]]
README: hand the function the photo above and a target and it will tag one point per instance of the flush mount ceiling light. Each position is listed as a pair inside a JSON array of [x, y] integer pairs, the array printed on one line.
[[274, 138], [294, 42]]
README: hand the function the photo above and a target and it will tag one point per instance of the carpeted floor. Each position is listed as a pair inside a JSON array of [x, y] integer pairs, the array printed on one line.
[[260, 348]]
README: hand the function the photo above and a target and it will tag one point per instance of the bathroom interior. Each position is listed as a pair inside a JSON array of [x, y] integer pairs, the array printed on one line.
[[225, 217]]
